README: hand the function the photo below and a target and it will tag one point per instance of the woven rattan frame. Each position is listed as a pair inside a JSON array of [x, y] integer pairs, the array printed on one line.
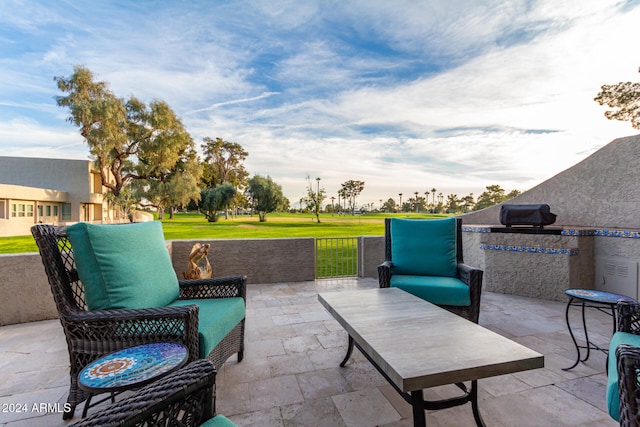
[[92, 334], [628, 365], [183, 398], [628, 361], [472, 277]]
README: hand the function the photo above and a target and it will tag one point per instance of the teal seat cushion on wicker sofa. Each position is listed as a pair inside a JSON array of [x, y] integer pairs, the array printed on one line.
[[123, 266], [436, 290], [218, 421], [424, 247], [216, 318], [613, 398]]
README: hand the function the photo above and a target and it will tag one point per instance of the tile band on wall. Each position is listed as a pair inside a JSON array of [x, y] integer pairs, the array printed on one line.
[[530, 249]]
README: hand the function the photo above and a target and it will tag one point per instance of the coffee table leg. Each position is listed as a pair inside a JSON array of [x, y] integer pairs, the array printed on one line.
[[474, 404], [349, 351], [417, 403]]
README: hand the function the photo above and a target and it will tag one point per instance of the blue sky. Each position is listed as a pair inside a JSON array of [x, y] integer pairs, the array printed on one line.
[[404, 95]]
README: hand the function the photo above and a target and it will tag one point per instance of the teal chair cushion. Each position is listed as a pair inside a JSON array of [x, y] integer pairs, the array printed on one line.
[[218, 421], [613, 398], [216, 318], [436, 290], [123, 266], [424, 247]]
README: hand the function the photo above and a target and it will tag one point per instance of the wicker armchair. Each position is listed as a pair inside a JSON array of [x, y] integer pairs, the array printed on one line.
[[185, 397], [92, 334], [628, 386], [623, 386], [470, 276]]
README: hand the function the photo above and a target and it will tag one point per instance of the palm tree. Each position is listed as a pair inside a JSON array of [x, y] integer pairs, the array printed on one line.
[[433, 191], [400, 194], [416, 193]]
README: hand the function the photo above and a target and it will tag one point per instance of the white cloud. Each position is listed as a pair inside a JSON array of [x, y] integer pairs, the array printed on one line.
[[27, 138]]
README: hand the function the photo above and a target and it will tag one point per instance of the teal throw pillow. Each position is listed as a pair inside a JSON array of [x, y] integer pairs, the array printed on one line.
[[123, 266], [424, 247]]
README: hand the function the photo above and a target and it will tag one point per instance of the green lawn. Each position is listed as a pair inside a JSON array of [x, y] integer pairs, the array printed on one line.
[[194, 226]]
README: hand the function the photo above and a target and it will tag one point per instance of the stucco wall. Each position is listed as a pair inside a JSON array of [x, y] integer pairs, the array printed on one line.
[[600, 195], [538, 266], [602, 191], [261, 260], [25, 295], [370, 255]]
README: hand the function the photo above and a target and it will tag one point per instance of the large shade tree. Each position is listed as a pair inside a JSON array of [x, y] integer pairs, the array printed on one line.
[[215, 199], [351, 190], [493, 195], [128, 139], [223, 163], [265, 195], [624, 99], [171, 188]]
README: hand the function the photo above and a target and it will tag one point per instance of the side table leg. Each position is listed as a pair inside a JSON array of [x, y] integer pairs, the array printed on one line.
[[349, 351], [615, 327], [573, 338], [87, 404], [586, 334]]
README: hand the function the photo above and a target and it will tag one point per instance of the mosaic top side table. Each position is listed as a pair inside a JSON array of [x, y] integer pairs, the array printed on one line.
[[130, 368], [604, 302]]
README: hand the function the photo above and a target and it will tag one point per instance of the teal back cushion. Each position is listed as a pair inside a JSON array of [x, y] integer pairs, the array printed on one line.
[[123, 266], [424, 247]]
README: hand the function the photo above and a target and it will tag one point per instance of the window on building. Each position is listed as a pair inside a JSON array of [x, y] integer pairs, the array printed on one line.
[[14, 210], [55, 210], [21, 209], [2, 205], [47, 210], [66, 211], [40, 210], [30, 211]]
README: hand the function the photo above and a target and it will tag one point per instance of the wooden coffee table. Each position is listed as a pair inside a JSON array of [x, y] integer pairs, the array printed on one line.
[[416, 345]]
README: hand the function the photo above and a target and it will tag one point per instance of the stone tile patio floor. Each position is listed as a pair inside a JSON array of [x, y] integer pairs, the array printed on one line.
[[290, 375]]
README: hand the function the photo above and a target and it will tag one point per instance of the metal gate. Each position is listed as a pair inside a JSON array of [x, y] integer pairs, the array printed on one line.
[[336, 257]]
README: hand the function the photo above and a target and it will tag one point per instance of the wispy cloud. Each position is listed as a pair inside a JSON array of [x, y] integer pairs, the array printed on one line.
[[404, 95], [232, 102]]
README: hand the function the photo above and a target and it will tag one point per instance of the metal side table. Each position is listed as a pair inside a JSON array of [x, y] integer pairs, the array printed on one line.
[[130, 368], [604, 302]]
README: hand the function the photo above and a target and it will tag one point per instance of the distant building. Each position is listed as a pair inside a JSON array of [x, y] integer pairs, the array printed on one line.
[[53, 191]]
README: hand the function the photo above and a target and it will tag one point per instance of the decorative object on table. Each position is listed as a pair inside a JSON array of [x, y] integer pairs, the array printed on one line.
[[130, 368], [114, 287], [623, 389], [185, 397], [198, 266], [424, 258], [604, 302]]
